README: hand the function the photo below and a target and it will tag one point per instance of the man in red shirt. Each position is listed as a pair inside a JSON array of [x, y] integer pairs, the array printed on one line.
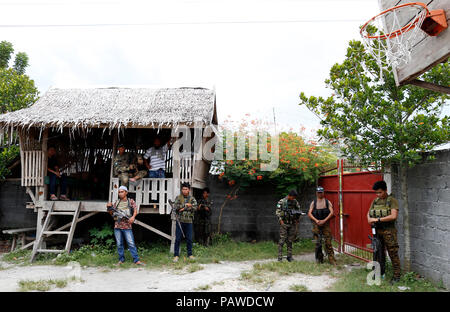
[[122, 225]]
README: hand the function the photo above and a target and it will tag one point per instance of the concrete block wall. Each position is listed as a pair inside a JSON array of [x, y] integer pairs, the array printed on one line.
[[252, 215], [429, 214], [13, 213]]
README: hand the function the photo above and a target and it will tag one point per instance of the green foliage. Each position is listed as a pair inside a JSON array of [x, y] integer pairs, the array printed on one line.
[[7, 155], [219, 239], [6, 51], [21, 63], [17, 90], [103, 236], [374, 120]]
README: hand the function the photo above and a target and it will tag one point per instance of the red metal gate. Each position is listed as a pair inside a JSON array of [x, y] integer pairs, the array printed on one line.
[[351, 195]]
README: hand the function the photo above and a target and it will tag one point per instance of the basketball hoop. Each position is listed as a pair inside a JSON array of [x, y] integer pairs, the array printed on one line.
[[390, 35]]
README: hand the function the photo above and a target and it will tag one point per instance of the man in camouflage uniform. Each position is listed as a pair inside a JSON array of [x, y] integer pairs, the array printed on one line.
[[202, 219], [121, 166], [320, 212], [138, 170], [382, 214], [185, 206], [288, 220]]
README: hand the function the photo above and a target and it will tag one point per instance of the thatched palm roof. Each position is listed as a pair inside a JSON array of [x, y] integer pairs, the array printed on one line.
[[116, 108]]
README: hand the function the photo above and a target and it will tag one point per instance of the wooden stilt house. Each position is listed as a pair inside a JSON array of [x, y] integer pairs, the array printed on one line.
[[85, 125]]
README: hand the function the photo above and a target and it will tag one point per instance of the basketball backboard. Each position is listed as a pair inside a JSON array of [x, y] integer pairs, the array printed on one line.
[[427, 51]]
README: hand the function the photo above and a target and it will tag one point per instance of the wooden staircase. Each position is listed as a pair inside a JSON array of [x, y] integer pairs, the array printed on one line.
[[46, 232]]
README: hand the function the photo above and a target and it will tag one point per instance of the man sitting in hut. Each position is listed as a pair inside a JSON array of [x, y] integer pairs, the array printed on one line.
[[155, 158], [121, 168], [55, 176], [138, 170], [124, 212]]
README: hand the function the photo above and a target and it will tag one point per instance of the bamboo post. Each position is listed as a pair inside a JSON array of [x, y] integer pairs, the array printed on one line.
[[112, 166], [44, 189]]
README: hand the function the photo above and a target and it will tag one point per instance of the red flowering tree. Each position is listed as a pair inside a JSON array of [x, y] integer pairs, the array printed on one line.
[[300, 161]]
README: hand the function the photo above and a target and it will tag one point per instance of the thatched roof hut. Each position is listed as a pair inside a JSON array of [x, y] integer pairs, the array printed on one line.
[[115, 108], [75, 122], [76, 119]]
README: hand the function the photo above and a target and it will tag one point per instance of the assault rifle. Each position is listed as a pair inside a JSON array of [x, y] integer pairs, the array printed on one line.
[[377, 250], [118, 213], [294, 212], [210, 203], [174, 214]]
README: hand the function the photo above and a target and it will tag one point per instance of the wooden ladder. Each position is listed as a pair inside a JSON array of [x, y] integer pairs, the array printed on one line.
[[45, 232]]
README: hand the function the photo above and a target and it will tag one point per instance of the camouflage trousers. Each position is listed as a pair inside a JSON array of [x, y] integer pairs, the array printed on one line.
[[202, 231], [123, 178], [288, 232], [388, 239], [121, 173], [141, 174], [326, 235]]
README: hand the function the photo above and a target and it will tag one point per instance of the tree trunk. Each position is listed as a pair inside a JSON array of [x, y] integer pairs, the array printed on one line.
[[405, 210], [220, 215], [227, 199]]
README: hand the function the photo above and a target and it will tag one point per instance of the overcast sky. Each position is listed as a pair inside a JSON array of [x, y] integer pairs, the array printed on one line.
[[258, 55]]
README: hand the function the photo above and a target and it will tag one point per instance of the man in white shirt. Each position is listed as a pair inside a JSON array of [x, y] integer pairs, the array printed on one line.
[[155, 158]]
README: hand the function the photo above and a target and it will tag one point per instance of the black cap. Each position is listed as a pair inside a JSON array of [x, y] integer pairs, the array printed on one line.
[[120, 145], [293, 193], [319, 189]]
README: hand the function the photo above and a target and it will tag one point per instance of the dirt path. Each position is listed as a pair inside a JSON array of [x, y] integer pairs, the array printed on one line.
[[223, 276]]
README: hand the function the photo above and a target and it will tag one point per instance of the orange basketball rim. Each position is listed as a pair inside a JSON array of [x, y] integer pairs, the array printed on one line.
[[434, 22]]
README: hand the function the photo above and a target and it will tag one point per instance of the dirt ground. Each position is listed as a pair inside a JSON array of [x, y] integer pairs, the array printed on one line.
[[223, 277]]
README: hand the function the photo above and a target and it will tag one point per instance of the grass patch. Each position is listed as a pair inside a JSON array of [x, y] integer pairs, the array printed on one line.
[[299, 288], [267, 273], [305, 267], [256, 277], [356, 281], [44, 285], [194, 267], [157, 255], [203, 288]]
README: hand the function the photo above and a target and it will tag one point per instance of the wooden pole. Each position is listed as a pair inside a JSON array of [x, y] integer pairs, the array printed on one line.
[[40, 219], [114, 146], [44, 188], [430, 86], [148, 227]]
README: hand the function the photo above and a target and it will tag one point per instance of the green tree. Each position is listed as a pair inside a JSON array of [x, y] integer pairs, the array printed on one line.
[[17, 91], [376, 121]]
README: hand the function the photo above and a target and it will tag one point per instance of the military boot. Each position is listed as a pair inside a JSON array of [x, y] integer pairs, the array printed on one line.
[[289, 258]]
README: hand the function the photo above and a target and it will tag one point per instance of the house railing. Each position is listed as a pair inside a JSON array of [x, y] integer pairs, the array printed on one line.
[[154, 192], [32, 168]]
